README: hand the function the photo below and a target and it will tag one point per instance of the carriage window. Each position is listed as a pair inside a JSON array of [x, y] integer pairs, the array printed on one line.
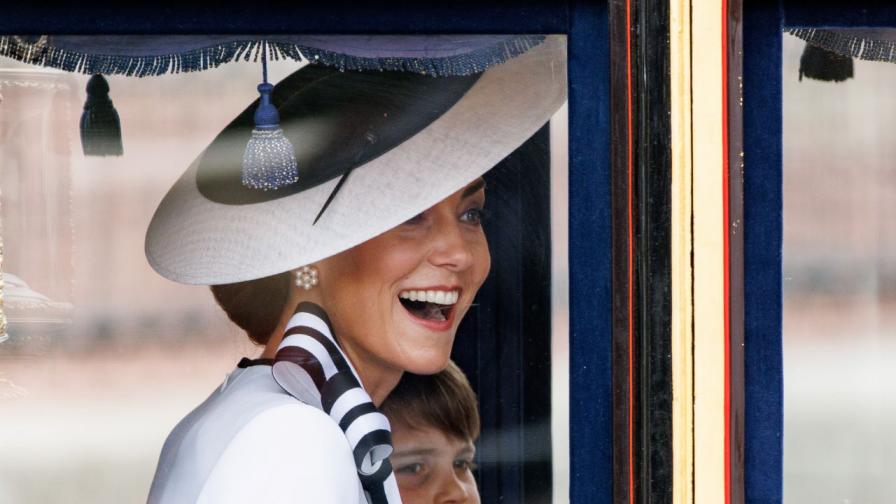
[[103, 356], [839, 272]]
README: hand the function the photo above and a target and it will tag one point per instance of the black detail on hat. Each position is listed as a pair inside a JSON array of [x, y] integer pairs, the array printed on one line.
[[336, 120]]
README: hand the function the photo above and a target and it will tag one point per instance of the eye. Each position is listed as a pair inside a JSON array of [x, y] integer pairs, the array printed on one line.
[[413, 474], [465, 465], [474, 215], [415, 468]]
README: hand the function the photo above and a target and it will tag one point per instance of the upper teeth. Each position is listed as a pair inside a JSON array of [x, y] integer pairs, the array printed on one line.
[[431, 296]]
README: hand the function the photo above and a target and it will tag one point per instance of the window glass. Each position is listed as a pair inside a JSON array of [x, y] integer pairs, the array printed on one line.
[[104, 356], [839, 282]]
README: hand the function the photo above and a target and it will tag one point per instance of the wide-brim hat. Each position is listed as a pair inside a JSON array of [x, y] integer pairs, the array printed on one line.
[[396, 143]]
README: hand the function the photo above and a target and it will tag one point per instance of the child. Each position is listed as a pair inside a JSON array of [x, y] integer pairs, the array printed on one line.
[[434, 421]]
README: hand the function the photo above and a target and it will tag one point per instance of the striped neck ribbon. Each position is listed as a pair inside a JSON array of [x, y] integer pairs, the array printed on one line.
[[311, 366]]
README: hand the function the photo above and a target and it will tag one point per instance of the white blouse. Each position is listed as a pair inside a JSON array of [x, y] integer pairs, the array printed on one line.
[[252, 442]]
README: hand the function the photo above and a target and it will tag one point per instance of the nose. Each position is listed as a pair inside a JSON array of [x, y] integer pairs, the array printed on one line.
[[452, 491], [451, 247]]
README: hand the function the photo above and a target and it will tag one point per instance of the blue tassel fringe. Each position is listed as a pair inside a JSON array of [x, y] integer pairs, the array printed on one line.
[[847, 45], [33, 51]]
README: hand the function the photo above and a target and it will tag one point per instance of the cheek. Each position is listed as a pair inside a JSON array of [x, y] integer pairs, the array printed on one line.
[[398, 264], [359, 285], [389, 258], [473, 492], [482, 261], [364, 273], [414, 490], [486, 263], [413, 495]]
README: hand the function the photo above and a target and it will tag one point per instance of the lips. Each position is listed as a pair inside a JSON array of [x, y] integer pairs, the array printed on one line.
[[434, 306]]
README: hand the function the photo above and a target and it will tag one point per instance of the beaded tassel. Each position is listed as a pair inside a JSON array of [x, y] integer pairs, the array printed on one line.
[[269, 161]]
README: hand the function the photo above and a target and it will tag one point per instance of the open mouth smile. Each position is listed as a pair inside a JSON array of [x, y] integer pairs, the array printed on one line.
[[431, 305]]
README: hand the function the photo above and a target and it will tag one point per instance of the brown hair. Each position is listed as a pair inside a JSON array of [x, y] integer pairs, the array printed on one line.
[[255, 305], [444, 401]]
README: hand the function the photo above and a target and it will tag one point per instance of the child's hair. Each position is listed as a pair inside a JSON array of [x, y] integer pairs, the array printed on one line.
[[444, 401]]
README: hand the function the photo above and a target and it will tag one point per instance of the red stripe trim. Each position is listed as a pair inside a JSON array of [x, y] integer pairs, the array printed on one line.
[[726, 293], [631, 253]]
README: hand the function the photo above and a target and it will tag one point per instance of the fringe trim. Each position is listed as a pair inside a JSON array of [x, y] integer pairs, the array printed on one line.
[[40, 53], [848, 45]]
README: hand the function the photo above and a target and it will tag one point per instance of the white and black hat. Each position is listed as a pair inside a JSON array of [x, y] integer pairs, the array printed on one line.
[[374, 148]]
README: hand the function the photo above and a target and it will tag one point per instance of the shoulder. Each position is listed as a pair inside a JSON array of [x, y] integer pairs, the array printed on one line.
[[249, 431], [293, 423], [287, 453]]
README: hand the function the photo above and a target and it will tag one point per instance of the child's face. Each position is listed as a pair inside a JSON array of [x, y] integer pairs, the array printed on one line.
[[431, 467]]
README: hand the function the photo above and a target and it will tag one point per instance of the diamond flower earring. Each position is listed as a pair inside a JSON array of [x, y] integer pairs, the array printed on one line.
[[306, 277]]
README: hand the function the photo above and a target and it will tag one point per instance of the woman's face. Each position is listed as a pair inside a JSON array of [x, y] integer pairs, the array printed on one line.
[[396, 300], [432, 468]]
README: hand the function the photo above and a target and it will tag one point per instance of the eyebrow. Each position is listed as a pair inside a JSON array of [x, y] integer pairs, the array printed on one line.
[[466, 450], [473, 188], [414, 453]]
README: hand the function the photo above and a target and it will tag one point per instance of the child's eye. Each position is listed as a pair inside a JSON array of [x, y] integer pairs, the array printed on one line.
[[466, 465], [415, 468], [474, 215]]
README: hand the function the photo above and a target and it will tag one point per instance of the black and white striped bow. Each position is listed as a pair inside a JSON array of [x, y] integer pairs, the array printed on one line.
[[311, 366]]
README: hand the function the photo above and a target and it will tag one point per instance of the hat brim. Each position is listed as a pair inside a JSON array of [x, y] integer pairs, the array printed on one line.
[[194, 240]]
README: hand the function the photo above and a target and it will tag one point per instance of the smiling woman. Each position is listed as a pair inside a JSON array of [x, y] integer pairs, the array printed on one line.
[[356, 274], [417, 281]]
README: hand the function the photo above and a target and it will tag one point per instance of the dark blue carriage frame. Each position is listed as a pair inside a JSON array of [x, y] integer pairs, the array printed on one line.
[[586, 25]]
